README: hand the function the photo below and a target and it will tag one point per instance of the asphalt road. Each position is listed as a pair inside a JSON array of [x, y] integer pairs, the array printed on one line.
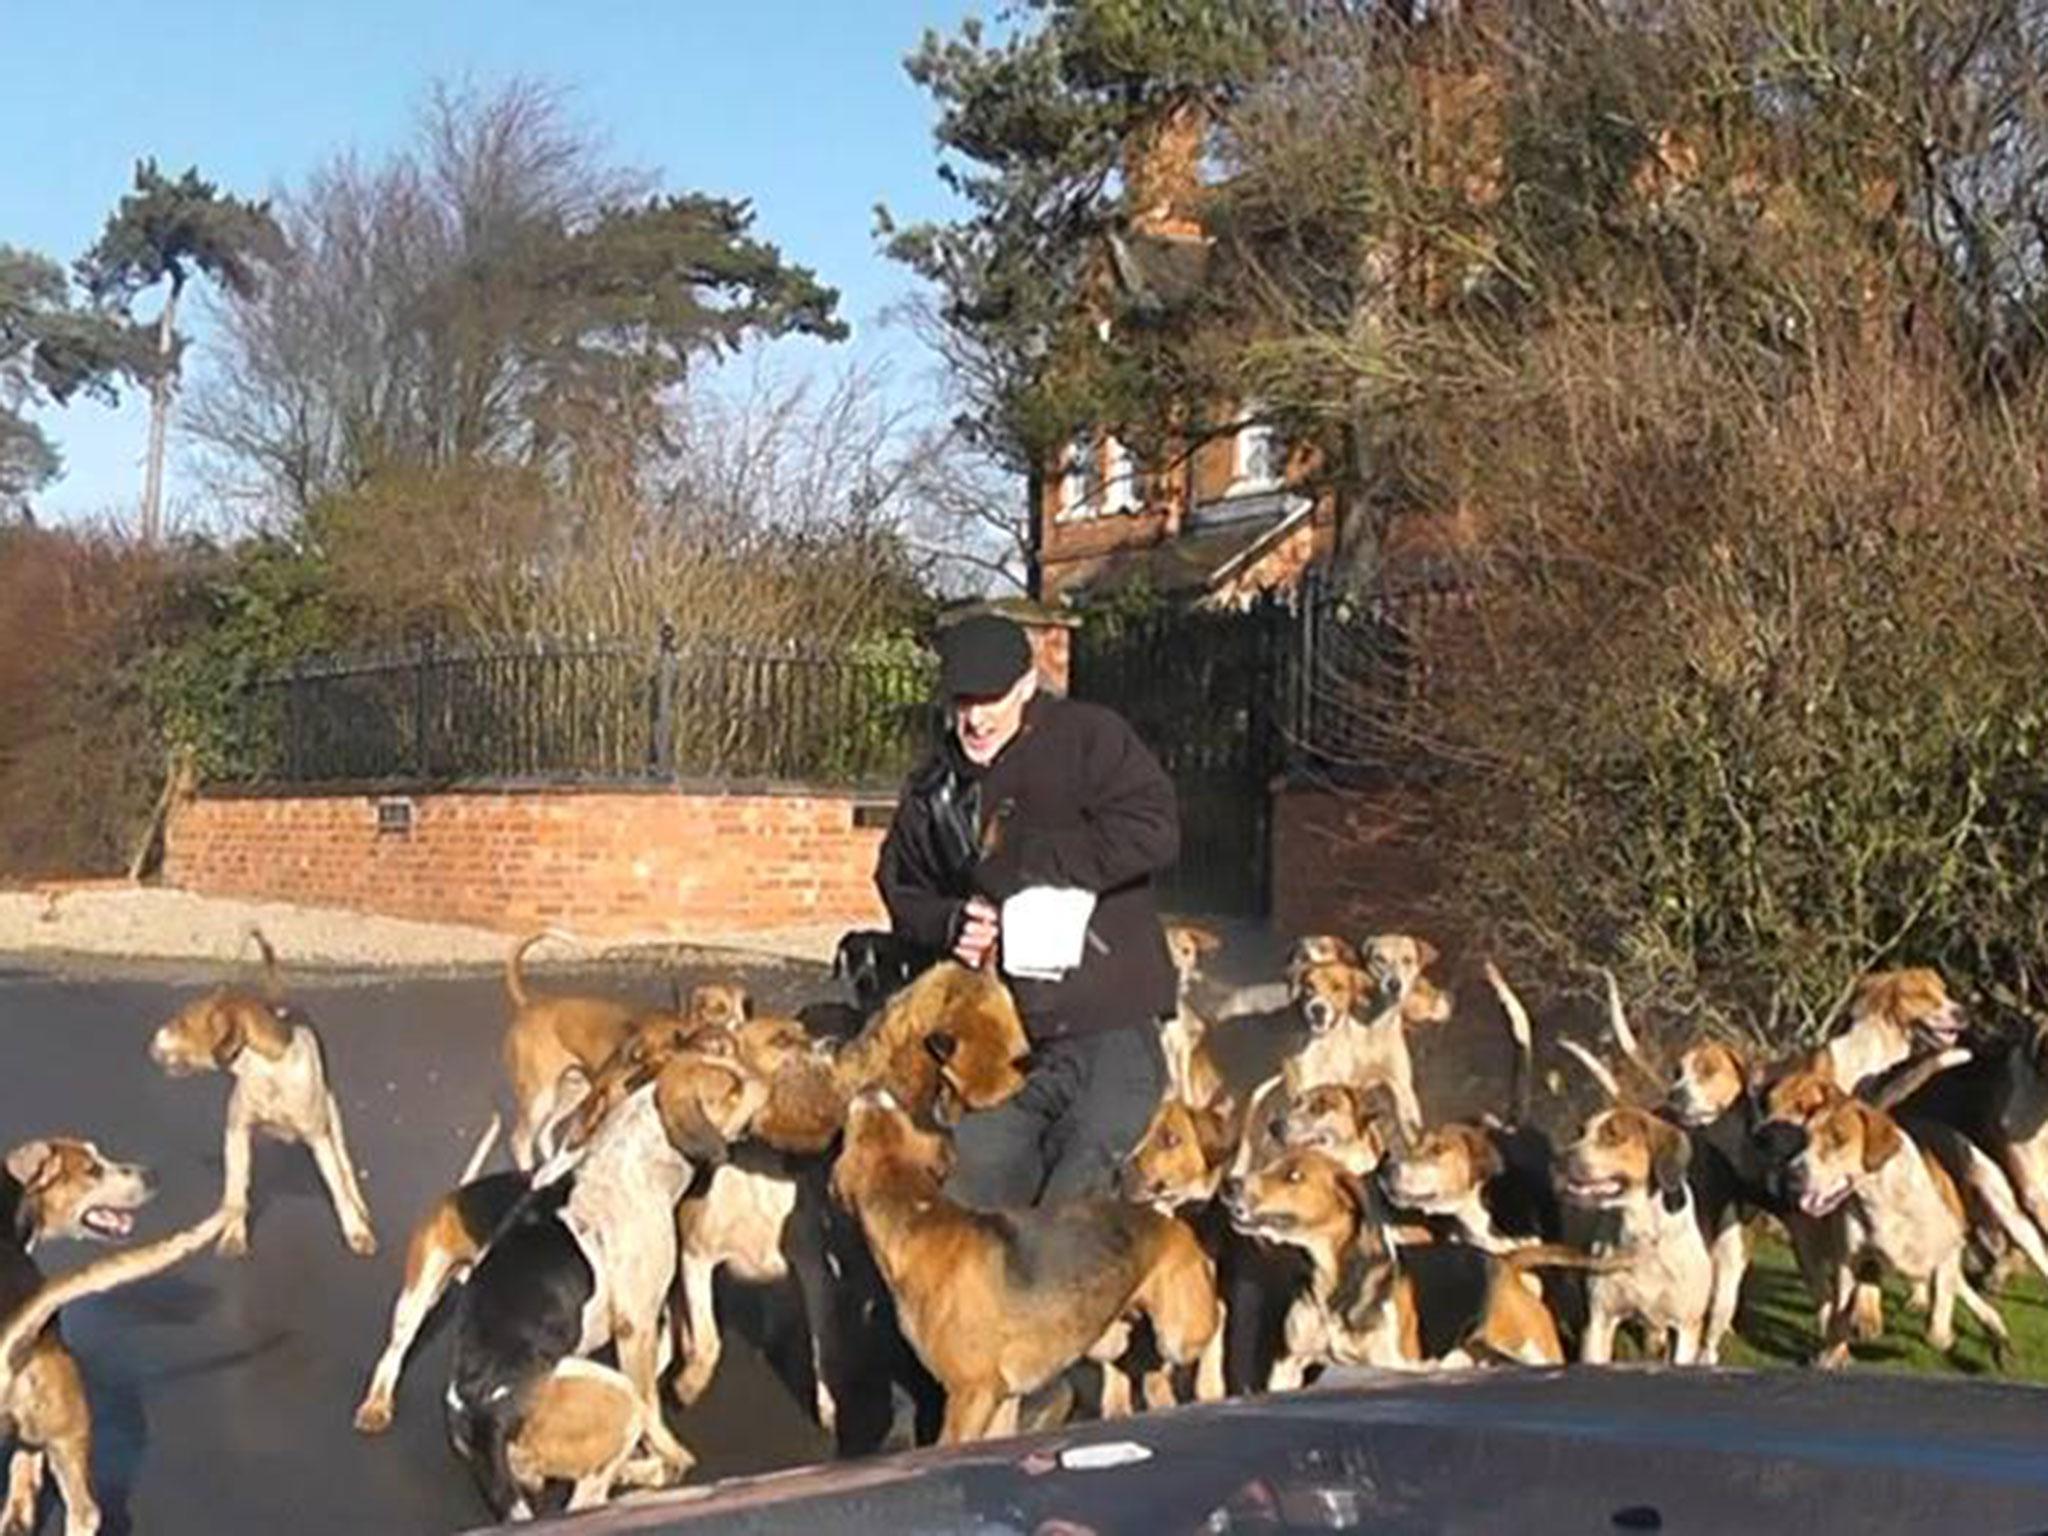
[[222, 1391]]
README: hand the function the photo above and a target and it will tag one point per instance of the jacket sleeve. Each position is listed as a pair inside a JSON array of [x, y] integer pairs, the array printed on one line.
[[907, 875], [1130, 824]]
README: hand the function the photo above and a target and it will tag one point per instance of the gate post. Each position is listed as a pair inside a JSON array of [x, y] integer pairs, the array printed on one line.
[[422, 706], [664, 735]]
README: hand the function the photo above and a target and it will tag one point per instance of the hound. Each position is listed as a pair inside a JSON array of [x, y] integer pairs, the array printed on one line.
[[281, 1090], [1635, 1164], [1358, 1017], [1192, 1074], [1900, 1206], [63, 1187], [1373, 1302], [587, 1260], [1492, 1179], [997, 1304], [444, 1247]]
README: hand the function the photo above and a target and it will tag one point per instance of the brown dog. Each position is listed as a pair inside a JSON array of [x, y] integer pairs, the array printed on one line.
[[1181, 1159], [950, 1040], [996, 1304], [549, 1036], [558, 1043]]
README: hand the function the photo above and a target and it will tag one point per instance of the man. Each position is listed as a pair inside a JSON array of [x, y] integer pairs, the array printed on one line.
[[1027, 789]]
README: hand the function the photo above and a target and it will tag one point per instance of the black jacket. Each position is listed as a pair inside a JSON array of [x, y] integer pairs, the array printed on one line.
[[1080, 802]]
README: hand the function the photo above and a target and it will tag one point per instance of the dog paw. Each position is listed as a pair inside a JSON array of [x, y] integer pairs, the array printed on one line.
[[688, 1384], [234, 1241], [363, 1243], [373, 1417]]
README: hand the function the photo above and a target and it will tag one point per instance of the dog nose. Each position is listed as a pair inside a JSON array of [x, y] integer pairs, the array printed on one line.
[[1233, 1190], [1025, 1062], [147, 1180]]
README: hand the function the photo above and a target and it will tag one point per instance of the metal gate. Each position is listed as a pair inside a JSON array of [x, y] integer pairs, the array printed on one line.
[[1317, 684], [1204, 689]]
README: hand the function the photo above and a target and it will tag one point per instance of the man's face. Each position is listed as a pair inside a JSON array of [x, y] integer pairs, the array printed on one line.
[[985, 725]]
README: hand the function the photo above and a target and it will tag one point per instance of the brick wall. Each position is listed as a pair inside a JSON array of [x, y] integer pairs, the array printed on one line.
[[609, 864]]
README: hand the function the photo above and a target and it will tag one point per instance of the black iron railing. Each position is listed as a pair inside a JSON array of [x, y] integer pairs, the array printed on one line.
[[563, 711]]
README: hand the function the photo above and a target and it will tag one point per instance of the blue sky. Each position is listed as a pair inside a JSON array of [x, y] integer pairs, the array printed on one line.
[[801, 105]]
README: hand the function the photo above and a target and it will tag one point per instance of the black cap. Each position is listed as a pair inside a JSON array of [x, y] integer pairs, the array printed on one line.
[[982, 656]]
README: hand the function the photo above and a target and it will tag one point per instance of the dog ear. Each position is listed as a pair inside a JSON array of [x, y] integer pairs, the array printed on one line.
[[1380, 1113], [1213, 1135], [691, 1132], [941, 1046], [1426, 954], [230, 1034], [1486, 1159], [33, 1164], [1670, 1154], [1359, 1193], [1426, 1003], [1881, 1138]]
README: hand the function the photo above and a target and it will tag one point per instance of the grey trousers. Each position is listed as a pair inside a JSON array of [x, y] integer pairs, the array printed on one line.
[[1064, 1136]]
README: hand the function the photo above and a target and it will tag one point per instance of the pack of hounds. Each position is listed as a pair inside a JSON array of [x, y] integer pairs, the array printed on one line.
[[1319, 1220]]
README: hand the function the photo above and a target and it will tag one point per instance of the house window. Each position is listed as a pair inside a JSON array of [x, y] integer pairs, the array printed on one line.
[[1123, 490], [1261, 454], [1080, 479], [1099, 477]]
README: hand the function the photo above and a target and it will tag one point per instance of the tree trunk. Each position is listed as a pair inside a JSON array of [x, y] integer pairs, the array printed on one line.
[[159, 421]]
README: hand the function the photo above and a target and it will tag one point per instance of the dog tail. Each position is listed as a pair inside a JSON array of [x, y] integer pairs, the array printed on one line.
[[1558, 1256], [1521, 1082], [515, 972], [1594, 1065], [1919, 1075], [1625, 1037], [1252, 1132], [273, 985], [116, 1269], [488, 1140]]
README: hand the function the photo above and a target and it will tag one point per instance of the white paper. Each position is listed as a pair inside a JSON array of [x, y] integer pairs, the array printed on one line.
[[1045, 930]]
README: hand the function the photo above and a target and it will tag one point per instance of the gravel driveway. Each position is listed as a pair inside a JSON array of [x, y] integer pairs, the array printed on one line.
[[156, 922]]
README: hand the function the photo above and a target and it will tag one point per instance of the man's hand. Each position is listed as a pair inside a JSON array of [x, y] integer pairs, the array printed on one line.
[[977, 933]]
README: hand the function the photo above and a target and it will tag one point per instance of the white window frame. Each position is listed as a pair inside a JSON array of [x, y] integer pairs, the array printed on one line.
[[1253, 442], [1099, 477], [1122, 491], [1080, 493]]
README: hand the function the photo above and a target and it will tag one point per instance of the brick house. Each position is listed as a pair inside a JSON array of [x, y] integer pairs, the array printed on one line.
[[1235, 510], [1229, 513]]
